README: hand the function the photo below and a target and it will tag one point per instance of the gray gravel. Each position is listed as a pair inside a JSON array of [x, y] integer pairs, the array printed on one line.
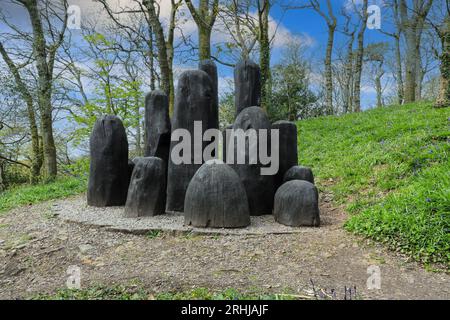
[[112, 218]]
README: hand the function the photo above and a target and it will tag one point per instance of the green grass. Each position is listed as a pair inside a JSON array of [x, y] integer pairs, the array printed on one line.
[[120, 292], [30, 194], [391, 170]]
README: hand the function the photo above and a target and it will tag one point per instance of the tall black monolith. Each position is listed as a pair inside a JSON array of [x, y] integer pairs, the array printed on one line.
[[247, 85], [147, 190], [287, 148], [193, 99], [259, 187], [210, 68], [109, 170], [157, 125], [216, 198]]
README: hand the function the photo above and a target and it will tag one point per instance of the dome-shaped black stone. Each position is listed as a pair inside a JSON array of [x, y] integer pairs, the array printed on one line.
[[297, 204], [299, 173], [216, 198]]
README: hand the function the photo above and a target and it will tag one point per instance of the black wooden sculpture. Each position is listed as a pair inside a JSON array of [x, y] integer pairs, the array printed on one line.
[[210, 68], [247, 84], [147, 190], [259, 188], [109, 169], [299, 173], [287, 148], [193, 99], [216, 198], [297, 204], [157, 125]]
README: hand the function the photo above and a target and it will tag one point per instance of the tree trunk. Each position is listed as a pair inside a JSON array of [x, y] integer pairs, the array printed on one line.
[[443, 99], [411, 67], [36, 159], [348, 76], [329, 72], [378, 87], [204, 18], [204, 36], [161, 44], [2, 177], [45, 77], [264, 54], [412, 27], [399, 71], [359, 59]]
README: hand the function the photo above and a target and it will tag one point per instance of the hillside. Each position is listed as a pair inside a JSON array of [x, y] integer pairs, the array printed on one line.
[[390, 169]]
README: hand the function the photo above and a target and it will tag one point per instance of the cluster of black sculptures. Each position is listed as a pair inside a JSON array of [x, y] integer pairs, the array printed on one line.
[[210, 194]]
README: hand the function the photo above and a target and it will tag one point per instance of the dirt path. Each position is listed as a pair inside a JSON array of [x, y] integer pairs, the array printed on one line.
[[36, 248]]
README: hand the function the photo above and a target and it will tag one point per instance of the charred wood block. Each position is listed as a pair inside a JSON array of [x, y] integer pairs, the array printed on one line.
[[297, 204], [193, 101], [157, 125], [216, 198], [299, 173], [247, 84], [287, 148], [259, 188], [147, 191], [109, 169]]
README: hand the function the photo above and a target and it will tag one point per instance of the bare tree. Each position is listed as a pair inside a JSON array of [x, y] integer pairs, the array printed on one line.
[[359, 56], [331, 22], [205, 17], [412, 18], [164, 40], [48, 20]]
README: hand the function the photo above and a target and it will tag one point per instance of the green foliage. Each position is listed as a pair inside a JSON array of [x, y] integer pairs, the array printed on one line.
[[116, 292], [112, 95], [30, 194], [227, 111], [390, 167], [79, 168], [291, 97], [153, 234], [120, 292]]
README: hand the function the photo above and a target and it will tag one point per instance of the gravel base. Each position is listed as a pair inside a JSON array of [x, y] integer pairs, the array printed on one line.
[[112, 219]]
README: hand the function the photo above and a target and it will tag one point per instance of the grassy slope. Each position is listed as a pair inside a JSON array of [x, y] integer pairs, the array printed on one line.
[[390, 168], [25, 195]]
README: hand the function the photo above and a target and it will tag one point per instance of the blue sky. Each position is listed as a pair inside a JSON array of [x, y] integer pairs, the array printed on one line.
[[304, 24]]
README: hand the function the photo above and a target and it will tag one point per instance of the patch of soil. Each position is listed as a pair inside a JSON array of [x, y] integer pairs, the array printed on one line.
[[37, 248]]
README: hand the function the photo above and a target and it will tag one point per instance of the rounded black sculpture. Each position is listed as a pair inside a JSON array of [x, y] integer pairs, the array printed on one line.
[[297, 204], [109, 169], [147, 191], [259, 188], [287, 148], [216, 198], [157, 125], [299, 173], [247, 85], [193, 99]]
